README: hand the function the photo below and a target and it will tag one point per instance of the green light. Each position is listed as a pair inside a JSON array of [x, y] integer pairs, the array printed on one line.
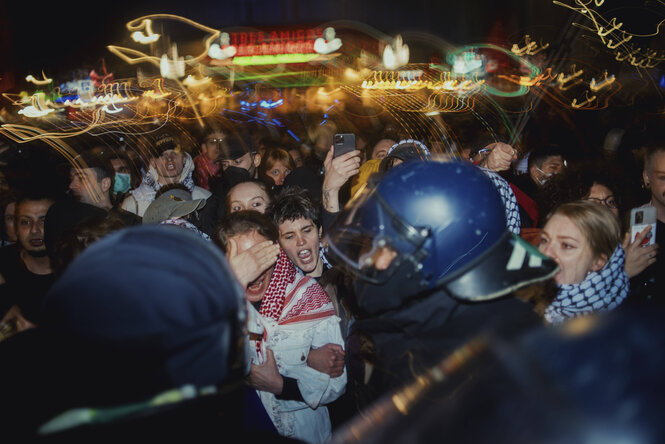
[[489, 89], [273, 59]]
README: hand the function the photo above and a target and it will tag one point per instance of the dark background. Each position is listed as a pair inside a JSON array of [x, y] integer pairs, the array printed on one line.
[[66, 35]]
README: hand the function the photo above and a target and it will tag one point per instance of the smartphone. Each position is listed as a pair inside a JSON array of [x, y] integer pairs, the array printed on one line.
[[344, 143], [640, 218]]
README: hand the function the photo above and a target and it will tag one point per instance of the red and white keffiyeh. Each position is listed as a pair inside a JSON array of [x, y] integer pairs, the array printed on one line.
[[292, 297]]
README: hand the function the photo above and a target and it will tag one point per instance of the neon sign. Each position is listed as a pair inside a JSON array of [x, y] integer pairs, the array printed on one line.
[[298, 41]]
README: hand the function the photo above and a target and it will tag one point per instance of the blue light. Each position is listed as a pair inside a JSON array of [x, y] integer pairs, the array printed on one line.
[[293, 135], [63, 99]]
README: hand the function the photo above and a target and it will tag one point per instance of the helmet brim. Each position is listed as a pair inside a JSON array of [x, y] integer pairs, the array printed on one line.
[[510, 264]]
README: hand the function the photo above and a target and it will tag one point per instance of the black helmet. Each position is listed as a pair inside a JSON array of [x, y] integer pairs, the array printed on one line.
[[161, 298]]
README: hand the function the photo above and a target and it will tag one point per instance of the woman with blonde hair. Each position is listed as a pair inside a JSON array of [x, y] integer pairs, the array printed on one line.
[[584, 239]]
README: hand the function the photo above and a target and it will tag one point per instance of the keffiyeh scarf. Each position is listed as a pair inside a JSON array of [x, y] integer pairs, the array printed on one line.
[[293, 297], [599, 291], [150, 181], [513, 221], [182, 223]]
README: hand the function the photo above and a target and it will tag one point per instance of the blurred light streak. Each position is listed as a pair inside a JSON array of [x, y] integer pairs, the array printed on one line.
[[138, 35], [45, 81]]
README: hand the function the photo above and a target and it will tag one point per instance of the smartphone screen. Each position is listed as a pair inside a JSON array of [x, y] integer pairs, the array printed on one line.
[[640, 218]]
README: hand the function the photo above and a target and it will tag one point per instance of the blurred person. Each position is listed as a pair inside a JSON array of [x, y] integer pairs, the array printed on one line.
[[497, 156], [157, 354], [239, 161], [8, 200], [289, 317], [169, 163], [275, 166], [207, 164], [648, 287], [82, 231], [238, 153], [321, 140], [296, 156], [403, 151], [126, 174], [584, 239], [92, 179], [248, 195], [544, 162], [381, 148], [93, 182]]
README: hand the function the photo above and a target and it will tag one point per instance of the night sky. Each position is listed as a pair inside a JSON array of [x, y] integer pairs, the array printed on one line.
[[57, 36]]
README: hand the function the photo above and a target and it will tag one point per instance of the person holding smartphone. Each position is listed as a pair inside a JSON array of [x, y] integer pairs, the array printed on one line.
[[648, 287]]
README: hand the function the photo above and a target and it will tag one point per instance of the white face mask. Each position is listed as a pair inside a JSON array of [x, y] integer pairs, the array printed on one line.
[[545, 178]]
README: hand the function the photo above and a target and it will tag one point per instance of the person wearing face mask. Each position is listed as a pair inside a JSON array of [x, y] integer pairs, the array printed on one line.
[[544, 162], [584, 239], [93, 181], [125, 176]]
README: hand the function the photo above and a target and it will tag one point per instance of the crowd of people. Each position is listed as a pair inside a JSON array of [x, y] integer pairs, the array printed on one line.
[[251, 284]]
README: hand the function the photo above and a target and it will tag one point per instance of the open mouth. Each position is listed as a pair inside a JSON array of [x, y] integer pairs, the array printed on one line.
[[36, 242], [305, 256], [257, 285]]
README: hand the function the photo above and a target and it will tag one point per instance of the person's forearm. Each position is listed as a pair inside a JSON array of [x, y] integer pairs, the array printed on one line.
[[330, 199]]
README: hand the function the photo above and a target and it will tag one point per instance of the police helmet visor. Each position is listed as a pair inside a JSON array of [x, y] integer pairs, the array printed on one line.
[[370, 241]]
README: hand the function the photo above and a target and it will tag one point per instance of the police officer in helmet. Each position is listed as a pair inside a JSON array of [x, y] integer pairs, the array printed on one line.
[[433, 265]]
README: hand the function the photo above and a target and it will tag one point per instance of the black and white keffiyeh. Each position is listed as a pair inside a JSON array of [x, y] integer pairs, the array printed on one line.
[[513, 221], [149, 186], [599, 291]]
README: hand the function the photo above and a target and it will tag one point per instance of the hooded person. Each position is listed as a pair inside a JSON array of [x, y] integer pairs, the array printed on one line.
[[433, 263], [143, 337], [169, 164]]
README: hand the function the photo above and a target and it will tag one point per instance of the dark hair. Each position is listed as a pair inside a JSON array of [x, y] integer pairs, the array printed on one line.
[[293, 203], [575, 183], [6, 197], [542, 152], [99, 163], [243, 222], [35, 194], [65, 249]]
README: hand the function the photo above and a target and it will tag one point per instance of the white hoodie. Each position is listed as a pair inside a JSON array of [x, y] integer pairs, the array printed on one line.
[[141, 196]]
